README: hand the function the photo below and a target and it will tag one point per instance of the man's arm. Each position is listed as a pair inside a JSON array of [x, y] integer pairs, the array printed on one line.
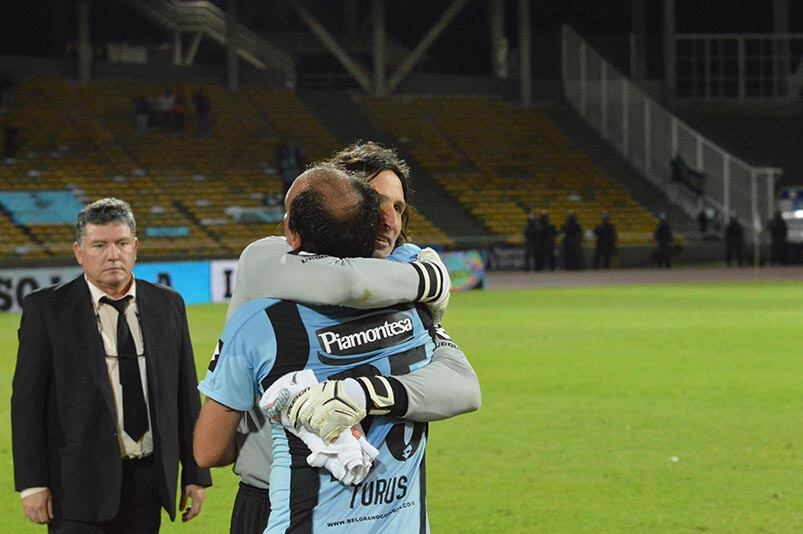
[[189, 407], [214, 434], [447, 387], [267, 268], [231, 385], [29, 402], [29, 399]]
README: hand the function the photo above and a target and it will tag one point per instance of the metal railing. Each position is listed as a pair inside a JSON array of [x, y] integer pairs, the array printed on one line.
[[738, 66], [649, 137], [201, 16]]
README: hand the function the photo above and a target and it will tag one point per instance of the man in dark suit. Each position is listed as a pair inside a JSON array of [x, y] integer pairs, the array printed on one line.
[[105, 392], [572, 246], [734, 241], [532, 230], [545, 255], [663, 238], [605, 247], [778, 233]]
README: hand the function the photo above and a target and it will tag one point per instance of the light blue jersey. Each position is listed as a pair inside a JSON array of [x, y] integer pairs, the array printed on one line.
[[266, 339]]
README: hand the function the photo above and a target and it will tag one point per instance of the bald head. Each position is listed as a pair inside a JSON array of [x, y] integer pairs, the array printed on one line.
[[331, 212]]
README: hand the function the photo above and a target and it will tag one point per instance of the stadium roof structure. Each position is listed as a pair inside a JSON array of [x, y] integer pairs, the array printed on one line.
[[203, 19], [377, 44]]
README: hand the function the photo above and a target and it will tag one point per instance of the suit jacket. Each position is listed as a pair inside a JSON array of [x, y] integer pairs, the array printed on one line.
[[63, 420]]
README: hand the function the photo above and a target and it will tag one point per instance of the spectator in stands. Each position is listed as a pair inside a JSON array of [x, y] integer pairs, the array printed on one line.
[[663, 239], [778, 234], [10, 130], [605, 248], [545, 248], [734, 241], [202, 108], [179, 113], [702, 222], [572, 245], [715, 221], [531, 232], [166, 105], [290, 164], [142, 114]]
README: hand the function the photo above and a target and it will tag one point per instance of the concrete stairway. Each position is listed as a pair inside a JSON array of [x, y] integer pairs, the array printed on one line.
[[341, 113]]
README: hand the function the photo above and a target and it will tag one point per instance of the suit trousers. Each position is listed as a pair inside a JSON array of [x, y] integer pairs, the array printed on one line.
[[140, 511]]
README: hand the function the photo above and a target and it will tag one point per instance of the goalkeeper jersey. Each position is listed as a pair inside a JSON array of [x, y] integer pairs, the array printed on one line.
[[268, 268], [267, 338]]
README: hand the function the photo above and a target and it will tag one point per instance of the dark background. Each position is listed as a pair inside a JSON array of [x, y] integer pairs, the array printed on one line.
[[46, 27]]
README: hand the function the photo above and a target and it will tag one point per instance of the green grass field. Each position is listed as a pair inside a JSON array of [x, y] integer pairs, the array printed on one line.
[[671, 408]]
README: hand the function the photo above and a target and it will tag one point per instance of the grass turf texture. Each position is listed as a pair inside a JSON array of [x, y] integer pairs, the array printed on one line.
[[671, 408]]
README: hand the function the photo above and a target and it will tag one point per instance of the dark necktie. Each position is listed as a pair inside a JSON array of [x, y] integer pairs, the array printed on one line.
[[135, 417]]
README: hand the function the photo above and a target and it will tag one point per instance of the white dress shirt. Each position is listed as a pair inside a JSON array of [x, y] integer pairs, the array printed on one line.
[[107, 324]]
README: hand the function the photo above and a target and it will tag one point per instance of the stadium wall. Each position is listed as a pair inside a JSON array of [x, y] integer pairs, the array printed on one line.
[[201, 282]]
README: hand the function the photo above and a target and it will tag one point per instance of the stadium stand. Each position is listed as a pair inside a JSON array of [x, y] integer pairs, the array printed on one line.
[[209, 195], [498, 161], [14, 242], [194, 195]]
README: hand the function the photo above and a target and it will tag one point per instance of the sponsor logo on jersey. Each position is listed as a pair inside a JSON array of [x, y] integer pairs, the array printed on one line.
[[379, 491], [366, 335]]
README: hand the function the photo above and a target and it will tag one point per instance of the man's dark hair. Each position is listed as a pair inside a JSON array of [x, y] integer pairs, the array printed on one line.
[[369, 159], [337, 215], [105, 211]]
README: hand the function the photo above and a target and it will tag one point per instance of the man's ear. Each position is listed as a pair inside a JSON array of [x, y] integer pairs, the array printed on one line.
[[76, 250], [293, 239]]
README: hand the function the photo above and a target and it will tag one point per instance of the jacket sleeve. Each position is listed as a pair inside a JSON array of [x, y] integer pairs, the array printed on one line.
[[267, 268], [29, 399], [189, 407], [448, 386]]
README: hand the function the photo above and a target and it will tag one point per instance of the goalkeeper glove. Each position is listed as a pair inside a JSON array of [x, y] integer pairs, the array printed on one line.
[[330, 407], [326, 409], [435, 281]]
